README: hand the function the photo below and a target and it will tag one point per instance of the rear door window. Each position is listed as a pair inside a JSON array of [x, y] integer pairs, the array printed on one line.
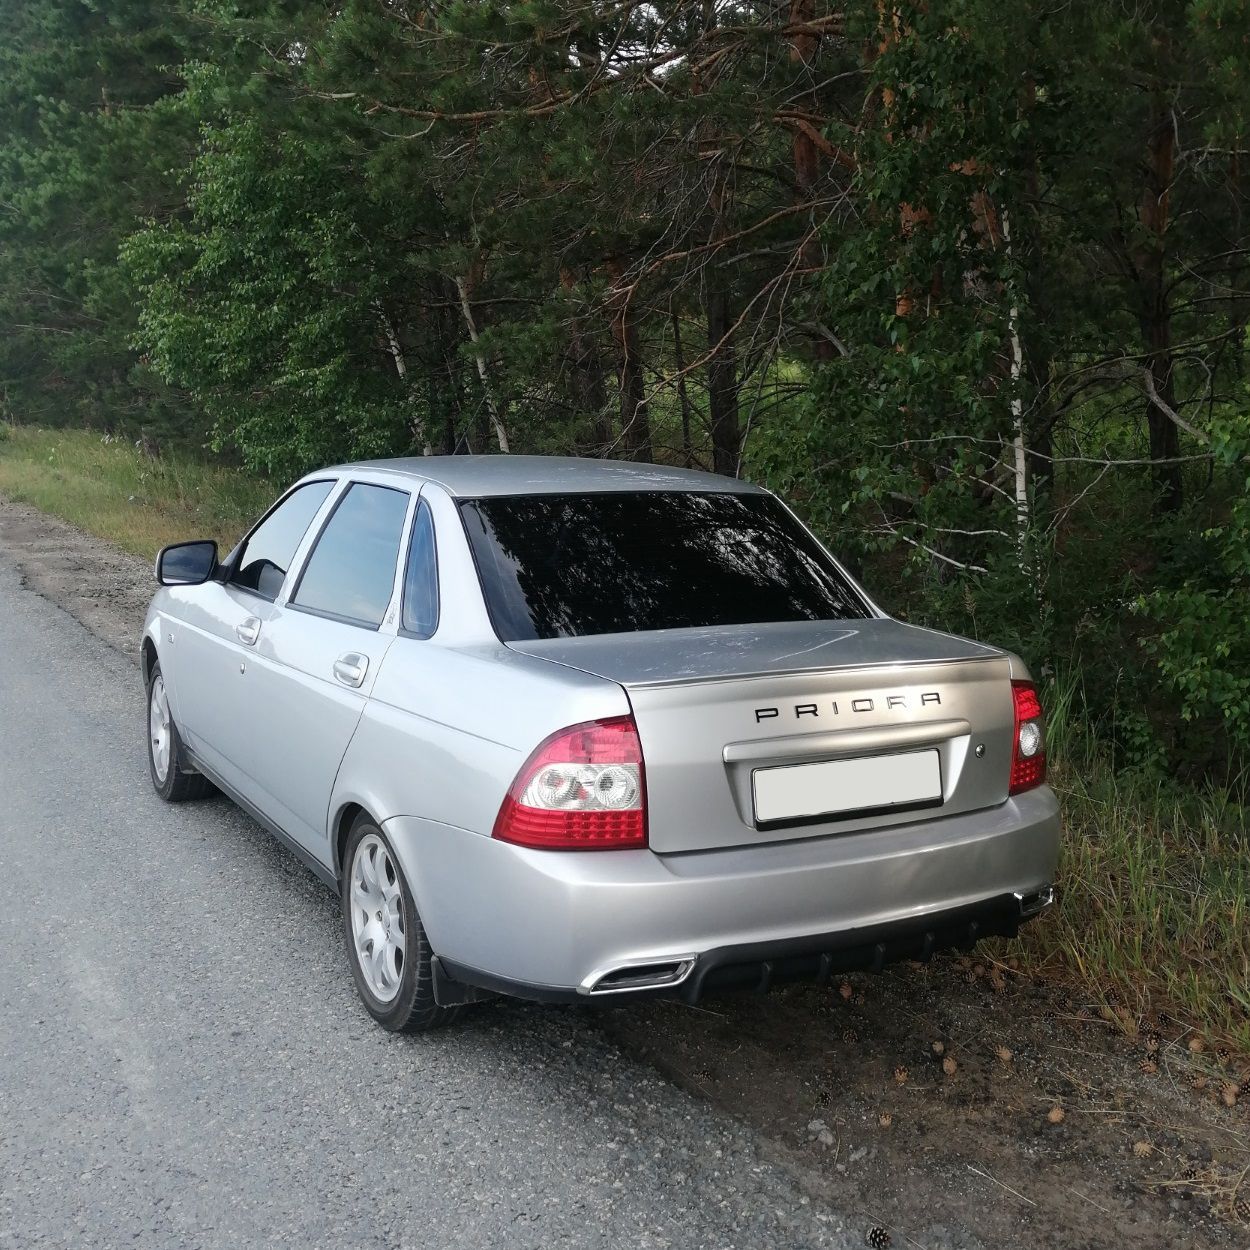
[[560, 566], [350, 574], [269, 549]]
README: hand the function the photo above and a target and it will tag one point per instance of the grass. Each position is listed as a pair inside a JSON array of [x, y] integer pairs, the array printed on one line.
[[1153, 913], [114, 490]]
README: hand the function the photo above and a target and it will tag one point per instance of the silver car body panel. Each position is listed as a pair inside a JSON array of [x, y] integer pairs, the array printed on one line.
[[433, 737]]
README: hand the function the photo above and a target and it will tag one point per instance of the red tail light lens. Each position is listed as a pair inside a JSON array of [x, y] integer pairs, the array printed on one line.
[[583, 790], [1028, 752]]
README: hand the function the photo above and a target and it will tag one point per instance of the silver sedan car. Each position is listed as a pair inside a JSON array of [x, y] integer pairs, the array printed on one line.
[[581, 730]]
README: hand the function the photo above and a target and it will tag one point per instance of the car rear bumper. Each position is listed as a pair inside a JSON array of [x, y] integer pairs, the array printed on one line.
[[589, 925], [759, 966]]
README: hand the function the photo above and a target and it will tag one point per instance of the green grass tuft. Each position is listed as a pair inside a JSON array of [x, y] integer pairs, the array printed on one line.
[[1155, 877], [113, 489]]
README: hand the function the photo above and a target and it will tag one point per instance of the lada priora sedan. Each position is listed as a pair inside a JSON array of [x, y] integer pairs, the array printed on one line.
[[581, 730]]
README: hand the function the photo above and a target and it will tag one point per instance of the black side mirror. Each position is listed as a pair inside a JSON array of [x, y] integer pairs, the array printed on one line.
[[186, 564]]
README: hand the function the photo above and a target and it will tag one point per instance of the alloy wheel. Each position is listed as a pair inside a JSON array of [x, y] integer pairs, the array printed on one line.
[[377, 911], [160, 729]]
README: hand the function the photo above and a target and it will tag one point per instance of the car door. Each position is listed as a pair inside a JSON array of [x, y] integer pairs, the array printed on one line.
[[316, 657], [206, 650]]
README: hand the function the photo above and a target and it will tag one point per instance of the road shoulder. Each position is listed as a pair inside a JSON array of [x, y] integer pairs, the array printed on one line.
[[99, 585]]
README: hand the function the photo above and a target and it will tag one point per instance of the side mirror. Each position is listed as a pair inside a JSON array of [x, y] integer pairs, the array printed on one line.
[[186, 564]]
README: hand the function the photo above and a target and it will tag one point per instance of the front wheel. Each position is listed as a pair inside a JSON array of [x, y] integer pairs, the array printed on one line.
[[389, 952], [173, 778]]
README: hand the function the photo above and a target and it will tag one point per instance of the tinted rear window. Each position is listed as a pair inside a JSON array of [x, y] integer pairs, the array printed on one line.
[[560, 566]]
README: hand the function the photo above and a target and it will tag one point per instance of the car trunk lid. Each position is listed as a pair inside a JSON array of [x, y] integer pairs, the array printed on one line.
[[747, 731]]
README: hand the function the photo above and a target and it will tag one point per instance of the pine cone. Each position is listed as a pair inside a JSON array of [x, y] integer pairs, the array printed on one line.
[[879, 1238]]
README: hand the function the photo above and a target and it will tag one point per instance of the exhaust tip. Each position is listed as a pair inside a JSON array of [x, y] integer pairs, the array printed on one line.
[[658, 974], [1038, 901]]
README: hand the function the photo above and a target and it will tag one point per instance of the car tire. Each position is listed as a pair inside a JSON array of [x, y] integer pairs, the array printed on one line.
[[387, 946], [173, 776]]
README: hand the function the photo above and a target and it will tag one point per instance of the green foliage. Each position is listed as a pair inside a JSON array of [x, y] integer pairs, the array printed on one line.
[[1203, 645], [921, 267], [268, 303], [87, 145]]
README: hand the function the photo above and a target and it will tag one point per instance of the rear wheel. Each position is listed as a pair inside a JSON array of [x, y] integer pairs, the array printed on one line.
[[386, 943], [173, 777]]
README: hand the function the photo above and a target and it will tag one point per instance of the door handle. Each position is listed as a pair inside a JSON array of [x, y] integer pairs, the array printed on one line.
[[350, 669], [248, 631]]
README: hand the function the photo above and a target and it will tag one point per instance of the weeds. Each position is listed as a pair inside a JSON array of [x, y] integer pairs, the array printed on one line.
[[112, 488], [1152, 912]]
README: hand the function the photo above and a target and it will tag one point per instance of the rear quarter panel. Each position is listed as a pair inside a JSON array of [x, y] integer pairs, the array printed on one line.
[[447, 729]]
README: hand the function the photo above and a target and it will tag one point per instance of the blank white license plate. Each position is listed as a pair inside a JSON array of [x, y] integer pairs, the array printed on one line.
[[876, 782]]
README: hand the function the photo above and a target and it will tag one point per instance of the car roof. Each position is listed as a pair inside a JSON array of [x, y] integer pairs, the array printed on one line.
[[472, 476]]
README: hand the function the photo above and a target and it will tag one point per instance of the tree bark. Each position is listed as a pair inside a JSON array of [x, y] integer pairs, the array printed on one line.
[[416, 425], [635, 421], [805, 153], [1155, 314], [722, 365], [722, 378], [687, 450], [483, 371], [589, 392]]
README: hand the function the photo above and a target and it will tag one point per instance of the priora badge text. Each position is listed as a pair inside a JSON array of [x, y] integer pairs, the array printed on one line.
[[864, 704]]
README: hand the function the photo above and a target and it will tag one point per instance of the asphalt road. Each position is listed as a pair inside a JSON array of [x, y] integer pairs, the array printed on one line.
[[183, 1060]]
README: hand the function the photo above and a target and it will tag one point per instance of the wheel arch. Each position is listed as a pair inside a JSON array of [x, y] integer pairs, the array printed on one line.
[[147, 657], [342, 826]]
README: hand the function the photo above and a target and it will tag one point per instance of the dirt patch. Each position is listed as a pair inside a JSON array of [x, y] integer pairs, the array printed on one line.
[[955, 1096], [1035, 1121], [105, 588]]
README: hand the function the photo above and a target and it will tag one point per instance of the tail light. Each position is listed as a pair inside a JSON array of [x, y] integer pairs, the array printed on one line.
[[1028, 752], [583, 789]]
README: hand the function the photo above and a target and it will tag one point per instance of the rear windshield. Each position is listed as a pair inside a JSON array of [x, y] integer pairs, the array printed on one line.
[[561, 566]]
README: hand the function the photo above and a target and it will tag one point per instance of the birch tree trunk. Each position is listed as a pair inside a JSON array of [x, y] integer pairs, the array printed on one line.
[[483, 369], [416, 423], [1020, 472]]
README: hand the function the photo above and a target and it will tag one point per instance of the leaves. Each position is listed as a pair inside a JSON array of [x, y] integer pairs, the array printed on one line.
[[908, 266]]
